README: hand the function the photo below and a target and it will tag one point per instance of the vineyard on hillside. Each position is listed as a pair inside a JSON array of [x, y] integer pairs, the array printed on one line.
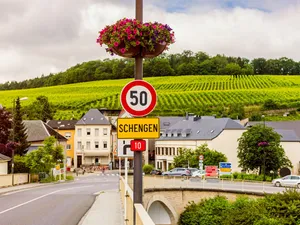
[[176, 95]]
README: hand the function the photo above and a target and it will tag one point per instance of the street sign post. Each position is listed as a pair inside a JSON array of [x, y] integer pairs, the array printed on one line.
[[138, 98], [201, 157], [124, 148], [225, 168], [138, 128]]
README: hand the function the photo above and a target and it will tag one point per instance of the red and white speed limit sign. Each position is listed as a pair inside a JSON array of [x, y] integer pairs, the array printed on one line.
[[201, 157], [138, 98]]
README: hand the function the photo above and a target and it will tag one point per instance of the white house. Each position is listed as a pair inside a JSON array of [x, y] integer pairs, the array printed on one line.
[[4, 164], [190, 132], [93, 144], [221, 134]]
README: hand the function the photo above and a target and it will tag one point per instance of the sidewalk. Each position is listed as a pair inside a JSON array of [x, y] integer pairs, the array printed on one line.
[[21, 187], [107, 209]]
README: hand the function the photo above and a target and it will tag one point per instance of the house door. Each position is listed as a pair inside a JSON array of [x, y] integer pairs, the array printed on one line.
[[97, 161], [79, 161]]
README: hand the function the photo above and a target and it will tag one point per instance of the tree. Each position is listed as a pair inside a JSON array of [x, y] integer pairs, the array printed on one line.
[[45, 157], [40, 109], [19, 131], [5, 125], [191, 157], [252, 154]]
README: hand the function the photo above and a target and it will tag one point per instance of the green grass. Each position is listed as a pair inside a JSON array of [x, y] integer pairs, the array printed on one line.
[[176, 95]]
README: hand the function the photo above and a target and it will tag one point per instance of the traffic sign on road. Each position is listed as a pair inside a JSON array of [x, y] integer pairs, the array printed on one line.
[[124, 148], [201, 157], [138, 145], [138, 128], [138, 98], [225, 168]]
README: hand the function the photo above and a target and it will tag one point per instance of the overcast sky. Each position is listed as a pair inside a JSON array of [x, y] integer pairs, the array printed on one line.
[[38, 37]]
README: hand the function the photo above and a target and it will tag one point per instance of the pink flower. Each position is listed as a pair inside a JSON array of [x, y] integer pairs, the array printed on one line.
[[154, 27], [116, 44], [137, 43], [123, 50]]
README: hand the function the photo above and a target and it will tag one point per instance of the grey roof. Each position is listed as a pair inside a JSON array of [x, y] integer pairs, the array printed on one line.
[[62, 124], [37, 130], [282, 125], [288, 135], [198, 128], [93, 117], [4, 157], [166, 122]]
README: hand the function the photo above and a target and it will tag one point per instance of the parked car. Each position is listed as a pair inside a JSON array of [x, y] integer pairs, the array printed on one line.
[[178, 172], [199, 173], [290, 180], [193, 170], [156, 172]]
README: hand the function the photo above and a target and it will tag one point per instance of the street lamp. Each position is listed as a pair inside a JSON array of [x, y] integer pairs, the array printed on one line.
[[13, 137]]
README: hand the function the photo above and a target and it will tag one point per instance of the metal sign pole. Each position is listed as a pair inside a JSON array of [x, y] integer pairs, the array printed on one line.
[[138, 175], [126, 183]]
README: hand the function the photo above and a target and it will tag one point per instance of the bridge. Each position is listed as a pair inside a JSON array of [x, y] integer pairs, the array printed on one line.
[[164, 199]]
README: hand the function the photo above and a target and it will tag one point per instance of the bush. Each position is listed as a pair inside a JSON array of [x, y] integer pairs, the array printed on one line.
[[245, 176], [275, 209], [19, 165], [147, 168], [270, 104], [207, 212]]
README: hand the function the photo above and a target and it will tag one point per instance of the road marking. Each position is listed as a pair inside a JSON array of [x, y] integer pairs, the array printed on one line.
[[32, 200]]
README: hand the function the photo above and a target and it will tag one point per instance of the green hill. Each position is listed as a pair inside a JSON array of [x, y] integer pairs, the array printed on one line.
[[176, 94]]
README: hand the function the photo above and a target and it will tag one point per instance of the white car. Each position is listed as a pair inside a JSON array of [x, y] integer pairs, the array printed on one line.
[[199, 173], [290, 180]]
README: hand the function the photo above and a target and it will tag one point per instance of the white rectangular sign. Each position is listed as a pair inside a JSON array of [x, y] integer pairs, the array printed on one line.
[[124, 148]]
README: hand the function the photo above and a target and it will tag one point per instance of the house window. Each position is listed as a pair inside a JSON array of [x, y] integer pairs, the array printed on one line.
[[67, 135], [96, 144], [88, 145], [68, 147], [96, 131], [88, 131], [158, 165], [105, 144], [104, 131], [79, 132], [79, 145]]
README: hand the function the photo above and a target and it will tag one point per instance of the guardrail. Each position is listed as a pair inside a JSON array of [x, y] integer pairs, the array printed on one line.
[[142, 217], [209, 183]]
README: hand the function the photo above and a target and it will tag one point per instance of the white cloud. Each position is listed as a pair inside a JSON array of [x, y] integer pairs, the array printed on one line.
[[38, 38]]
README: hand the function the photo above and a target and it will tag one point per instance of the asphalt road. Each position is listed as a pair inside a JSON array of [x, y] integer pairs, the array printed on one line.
[[58, 204]]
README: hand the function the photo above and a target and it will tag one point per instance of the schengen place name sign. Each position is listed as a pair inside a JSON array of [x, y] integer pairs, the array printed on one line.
[[138, 128]]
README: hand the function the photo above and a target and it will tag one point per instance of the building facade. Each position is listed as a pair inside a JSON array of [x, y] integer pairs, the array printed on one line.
[[220, 134], [66, 128], [93, 144]]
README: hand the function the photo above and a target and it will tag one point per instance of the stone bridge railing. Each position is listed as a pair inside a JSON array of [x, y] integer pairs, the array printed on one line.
[[142, 217]]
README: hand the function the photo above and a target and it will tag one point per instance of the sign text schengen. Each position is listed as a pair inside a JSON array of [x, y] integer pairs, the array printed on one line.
[[138, 128]]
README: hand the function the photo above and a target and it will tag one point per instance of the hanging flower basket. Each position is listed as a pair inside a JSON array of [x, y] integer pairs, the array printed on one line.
[[158, 49], [130, 38], [130, 53]]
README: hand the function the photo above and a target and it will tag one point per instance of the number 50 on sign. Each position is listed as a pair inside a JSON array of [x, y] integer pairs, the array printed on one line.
[[138, 98]]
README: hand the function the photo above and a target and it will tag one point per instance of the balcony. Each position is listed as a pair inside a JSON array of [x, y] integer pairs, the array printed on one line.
[[94, 152]]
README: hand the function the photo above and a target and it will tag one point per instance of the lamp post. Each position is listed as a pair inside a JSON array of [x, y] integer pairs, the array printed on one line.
[[13, 137]]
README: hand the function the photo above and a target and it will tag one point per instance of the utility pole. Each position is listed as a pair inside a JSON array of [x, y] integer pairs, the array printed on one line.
[[138, 175], [13, 139]]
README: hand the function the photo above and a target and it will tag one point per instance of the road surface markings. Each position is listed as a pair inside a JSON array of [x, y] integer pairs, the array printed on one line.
[[17, 206]]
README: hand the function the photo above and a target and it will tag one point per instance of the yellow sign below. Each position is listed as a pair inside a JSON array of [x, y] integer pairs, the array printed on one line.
[[138, 128]]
